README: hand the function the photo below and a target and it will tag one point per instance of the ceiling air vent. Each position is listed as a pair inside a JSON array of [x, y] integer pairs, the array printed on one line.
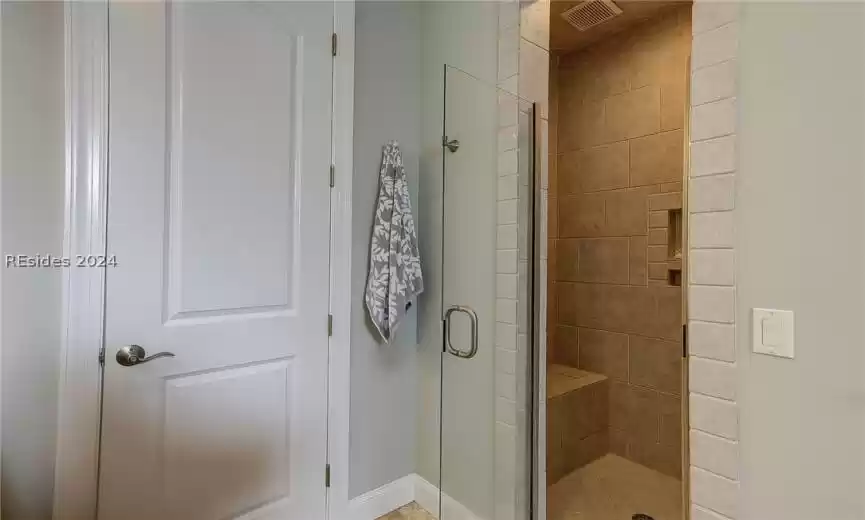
[[590, 13]]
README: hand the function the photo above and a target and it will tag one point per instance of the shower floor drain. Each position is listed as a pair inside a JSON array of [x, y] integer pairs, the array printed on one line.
[[641, 516]]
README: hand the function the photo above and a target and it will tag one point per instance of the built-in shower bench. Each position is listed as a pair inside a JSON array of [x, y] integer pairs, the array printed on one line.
[[577, 419]]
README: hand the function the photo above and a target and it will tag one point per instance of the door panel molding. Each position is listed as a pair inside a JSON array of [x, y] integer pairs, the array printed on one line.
[[193, 86], [86, 94]]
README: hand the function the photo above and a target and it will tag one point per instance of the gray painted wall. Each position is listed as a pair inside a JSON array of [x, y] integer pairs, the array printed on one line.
[[383, 377], [800, 207], [463, 35], [32, 186]]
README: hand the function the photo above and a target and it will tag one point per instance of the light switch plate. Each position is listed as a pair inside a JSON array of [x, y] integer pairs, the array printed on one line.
[[772, 332]]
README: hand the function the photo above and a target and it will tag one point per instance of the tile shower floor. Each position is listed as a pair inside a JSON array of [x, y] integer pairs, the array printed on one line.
[[610, 488], [614, 488]]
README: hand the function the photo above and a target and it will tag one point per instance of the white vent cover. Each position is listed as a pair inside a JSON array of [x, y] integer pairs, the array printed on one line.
[[590, 13]]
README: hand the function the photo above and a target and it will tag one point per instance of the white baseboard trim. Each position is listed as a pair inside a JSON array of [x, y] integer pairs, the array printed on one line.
[[383, 500], [410, 488], [427, 496]]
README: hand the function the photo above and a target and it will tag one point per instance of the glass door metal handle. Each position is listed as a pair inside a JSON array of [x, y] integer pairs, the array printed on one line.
[[473, 316], [132, 355]]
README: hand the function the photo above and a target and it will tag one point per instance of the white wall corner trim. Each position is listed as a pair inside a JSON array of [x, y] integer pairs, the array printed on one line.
[[715, 464]]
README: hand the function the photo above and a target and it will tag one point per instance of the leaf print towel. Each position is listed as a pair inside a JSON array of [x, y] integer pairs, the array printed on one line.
[[395, 277]]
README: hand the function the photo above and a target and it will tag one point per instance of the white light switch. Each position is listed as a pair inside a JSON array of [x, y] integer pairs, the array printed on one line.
[[773, 332]]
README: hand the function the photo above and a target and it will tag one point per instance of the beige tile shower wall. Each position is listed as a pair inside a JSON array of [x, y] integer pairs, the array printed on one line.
[[522, 70], [552, 204], [619, 170], [714, 413]]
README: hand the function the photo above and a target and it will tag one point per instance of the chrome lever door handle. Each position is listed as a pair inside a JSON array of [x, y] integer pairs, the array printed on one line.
[[473, 316], [132, 355]]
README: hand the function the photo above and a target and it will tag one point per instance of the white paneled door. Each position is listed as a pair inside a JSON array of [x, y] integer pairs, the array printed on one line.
[[218, 218]]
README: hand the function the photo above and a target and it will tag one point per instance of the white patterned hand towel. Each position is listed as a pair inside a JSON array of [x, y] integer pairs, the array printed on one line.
[[395, 277]]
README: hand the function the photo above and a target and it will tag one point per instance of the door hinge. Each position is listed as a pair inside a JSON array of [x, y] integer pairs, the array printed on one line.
[[333, 44], [327, 475], [102, 357], [329, 325], [332, 175]]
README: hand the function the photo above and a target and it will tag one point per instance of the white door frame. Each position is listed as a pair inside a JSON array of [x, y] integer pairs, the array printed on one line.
[[86, 91]]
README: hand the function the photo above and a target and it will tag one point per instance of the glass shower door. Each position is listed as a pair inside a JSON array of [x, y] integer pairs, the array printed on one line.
[[486, 299]]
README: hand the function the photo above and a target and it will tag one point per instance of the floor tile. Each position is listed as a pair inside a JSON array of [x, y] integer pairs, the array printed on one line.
[[614, 488], [408, 512]]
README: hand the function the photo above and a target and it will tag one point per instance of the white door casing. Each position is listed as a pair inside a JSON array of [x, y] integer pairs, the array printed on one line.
[[218, 216]]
